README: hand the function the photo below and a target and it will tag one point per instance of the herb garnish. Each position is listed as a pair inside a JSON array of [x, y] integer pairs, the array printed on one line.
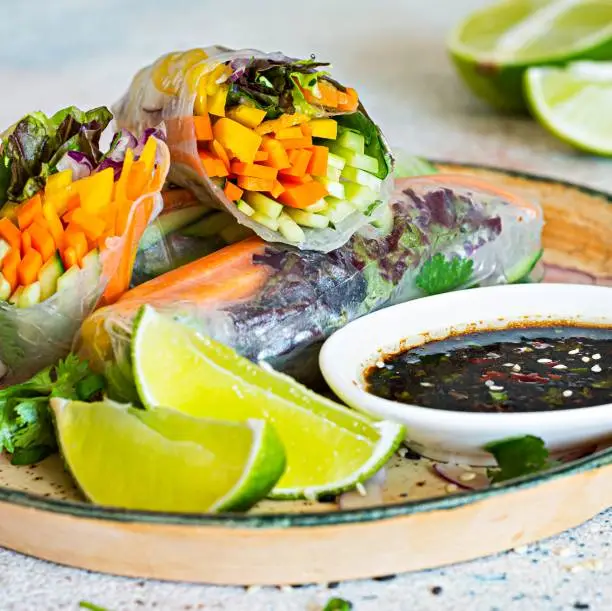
[[26, 428], [441, 275]]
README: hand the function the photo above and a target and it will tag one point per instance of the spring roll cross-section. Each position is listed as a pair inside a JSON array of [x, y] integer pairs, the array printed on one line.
[[287, 150], [275, 303]]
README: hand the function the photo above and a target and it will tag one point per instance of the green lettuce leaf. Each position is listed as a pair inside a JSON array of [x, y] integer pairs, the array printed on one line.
[[31, 149], [518, 456]]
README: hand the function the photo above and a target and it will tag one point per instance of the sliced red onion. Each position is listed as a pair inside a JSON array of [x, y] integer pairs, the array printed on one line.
[[464, 478], [76, 161]]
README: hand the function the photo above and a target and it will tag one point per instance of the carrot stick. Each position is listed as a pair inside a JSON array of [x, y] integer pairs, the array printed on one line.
[[249, 183], [55, 225], [28, 269], [175, 199], [224, 261], [253, 170], [232, 192], [203, 128], [92, 226], [317, 166], [26, 242], [10, 265], [42, 241], [302, 196], [10, 233], [28, 211]]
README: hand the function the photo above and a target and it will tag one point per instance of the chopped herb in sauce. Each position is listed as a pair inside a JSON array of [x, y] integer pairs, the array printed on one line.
[[527, 369]]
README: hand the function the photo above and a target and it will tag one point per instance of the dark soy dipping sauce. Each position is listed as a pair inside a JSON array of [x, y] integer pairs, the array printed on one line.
[[530, 369]]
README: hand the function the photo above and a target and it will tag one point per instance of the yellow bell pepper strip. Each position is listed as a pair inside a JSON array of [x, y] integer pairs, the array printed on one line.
[[241, 140]]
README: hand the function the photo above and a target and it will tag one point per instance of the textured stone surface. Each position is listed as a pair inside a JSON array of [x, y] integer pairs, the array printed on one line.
[[70, 52]]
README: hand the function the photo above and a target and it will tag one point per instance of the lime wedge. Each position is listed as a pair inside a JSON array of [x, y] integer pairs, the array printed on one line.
[[574, 103], [494, 46], [162, 460], [329, 447]]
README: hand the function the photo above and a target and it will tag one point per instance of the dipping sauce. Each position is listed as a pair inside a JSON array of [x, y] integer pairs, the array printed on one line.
[[529, 369]]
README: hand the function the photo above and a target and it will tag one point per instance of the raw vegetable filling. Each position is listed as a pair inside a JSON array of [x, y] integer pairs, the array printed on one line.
[[266, 137], [61, 202]]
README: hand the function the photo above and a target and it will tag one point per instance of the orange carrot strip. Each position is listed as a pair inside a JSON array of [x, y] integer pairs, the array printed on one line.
[[203, 127], [27, 271], [306, 129], [28, 211], [26, 242], [261, 156], [277, 156], [299, 164], [226, 262], [317, 166], [55, 225], [254, 170], [175, 199], [250, 183], [42, 241], [220, 152], [220, 168], [302, 196], [232, 192], [76, 239], [297, 143], [10, 233], [10, 263], [69, 257], [276, 190], [352, 100], [139, 177], [92, 226], [329, 94], [296, 180]]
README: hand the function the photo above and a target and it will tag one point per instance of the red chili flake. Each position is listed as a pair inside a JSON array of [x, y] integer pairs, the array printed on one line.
[[554, 376], [493, 375], [552, 363], [532, 378]]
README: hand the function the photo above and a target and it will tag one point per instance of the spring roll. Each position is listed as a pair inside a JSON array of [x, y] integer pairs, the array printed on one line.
[[71, 218], [289, 152], [275, 303]]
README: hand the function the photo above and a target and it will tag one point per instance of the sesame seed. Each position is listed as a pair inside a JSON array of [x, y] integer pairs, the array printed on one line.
[[508, 365], [426, 384], [466, 477], [516, 368], [596, 357], [563, 552], [489, 383], [585, 359], [286, 589], [496, 388], [544, 360], [451, 487], [596, 368], [521, 549], [567, 393], [560, 366], [574, 351], [253, 589]]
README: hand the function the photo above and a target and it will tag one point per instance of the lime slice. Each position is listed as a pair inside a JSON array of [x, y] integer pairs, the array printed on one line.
[[574, 103], [494, 46], [162, 460], [330, 448]]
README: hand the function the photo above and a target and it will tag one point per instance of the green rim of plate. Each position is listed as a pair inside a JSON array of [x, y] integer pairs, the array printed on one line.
[[296, 520]]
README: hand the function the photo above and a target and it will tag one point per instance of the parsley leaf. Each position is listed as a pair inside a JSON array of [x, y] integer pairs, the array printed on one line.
[[517, 456], [26, 428], [440, 275]]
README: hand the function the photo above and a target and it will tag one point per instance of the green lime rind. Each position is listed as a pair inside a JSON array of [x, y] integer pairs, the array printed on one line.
[[330, 448], [585, 131], [391, 436], [162, 460], [497, 78]]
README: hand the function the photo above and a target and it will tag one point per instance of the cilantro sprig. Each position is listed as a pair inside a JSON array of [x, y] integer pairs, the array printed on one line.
[[518, 456], [26, 428], [441, 275]]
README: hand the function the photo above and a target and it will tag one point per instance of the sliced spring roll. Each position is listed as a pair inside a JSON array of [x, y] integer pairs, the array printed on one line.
[[266, 137], [70, 223], [275, 303]]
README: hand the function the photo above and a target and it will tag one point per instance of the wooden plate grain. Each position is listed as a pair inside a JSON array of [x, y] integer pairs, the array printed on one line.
[[412, 521]]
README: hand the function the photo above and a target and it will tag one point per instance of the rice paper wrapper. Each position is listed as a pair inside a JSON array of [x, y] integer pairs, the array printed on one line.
[[38, 336], [278, 304], [166, 91]]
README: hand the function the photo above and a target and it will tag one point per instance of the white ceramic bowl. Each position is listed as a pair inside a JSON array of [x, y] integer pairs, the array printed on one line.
[[459, 436]]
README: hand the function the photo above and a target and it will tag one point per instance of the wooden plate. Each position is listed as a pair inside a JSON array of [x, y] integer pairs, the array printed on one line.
[[412, 521]]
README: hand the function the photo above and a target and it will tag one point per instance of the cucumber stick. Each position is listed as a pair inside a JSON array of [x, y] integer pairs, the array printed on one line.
[[30, 295], [49, 275], [5, 288], [338, 209], [358, 195], [357, 160], [335, 189], [264, 205], [245, 208], [361, 177], [351, 140], [4, 248], [308, 219], [266, 221], [290, 229]]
